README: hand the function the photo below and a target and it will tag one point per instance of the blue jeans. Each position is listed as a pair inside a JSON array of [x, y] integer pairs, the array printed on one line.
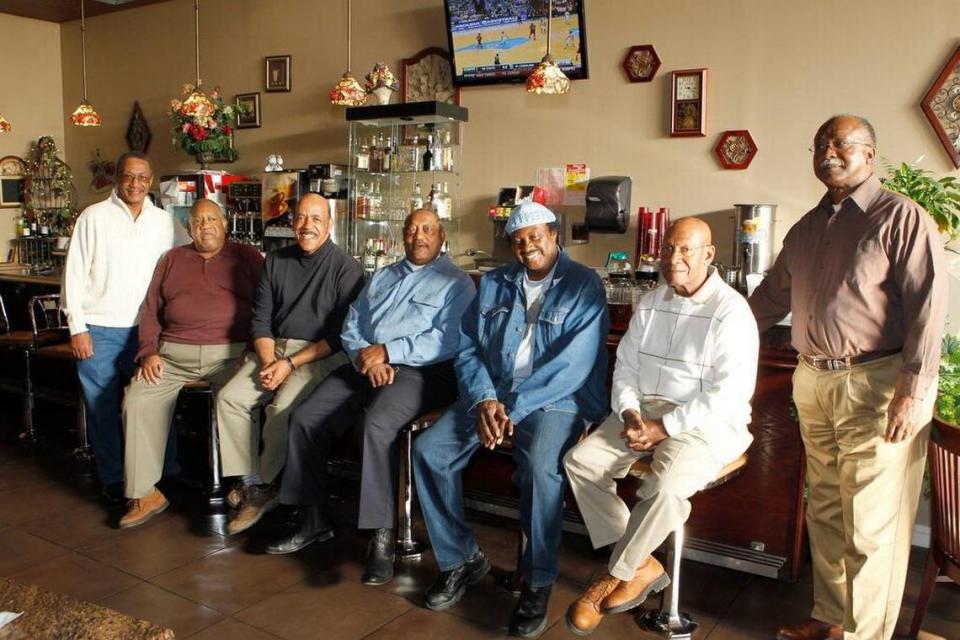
[[539, 444], [103, 378]]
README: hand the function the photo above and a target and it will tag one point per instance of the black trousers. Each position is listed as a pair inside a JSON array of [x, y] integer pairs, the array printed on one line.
[[345, 399]]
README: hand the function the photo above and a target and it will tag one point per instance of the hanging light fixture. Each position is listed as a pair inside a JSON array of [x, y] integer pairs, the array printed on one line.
[[348, 92], [548, 78], [198, 101], [85, 115], [4, 125]]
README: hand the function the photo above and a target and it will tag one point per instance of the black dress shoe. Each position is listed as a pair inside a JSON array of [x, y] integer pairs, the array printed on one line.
[[310, 525], [381, 552], [451, 585], [529, 618], [113, 493]]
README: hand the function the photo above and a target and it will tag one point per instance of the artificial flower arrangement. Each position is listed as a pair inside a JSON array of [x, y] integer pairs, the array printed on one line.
[[203, 124]]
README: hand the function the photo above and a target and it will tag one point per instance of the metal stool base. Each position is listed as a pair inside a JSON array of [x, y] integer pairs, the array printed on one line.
[[659, 622], [410, 549]]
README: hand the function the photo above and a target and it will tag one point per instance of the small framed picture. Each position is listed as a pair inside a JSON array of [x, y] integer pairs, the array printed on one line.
[[11, 191], [248, 110], [277, 69]]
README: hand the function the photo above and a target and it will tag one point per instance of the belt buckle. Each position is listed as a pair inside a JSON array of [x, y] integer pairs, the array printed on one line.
[[838, 364]]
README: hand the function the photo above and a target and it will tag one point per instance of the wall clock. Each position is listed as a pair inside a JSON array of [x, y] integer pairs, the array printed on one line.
[[641, 63], [688, 103], [735, 149], [941, 105], [428, 77]]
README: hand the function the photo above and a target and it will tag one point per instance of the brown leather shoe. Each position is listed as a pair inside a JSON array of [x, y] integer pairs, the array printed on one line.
[[139, 510], [650, 578], [811, 629], [258, 500], [585, 613]]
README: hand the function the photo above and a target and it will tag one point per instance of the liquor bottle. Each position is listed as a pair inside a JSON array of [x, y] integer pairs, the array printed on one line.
[[437, 153], [363, 158], [415, 154], [380, 257], [444, 204], [369, 258], [432, 198], [24, 230], [376, 202], [374, 155], [33, 227], [387, 162], [447, 152], [44, 227], [428, 155], [362, 205], [416, 200]]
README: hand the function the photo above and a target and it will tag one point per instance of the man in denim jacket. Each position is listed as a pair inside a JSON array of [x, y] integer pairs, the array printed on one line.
[[532, 366]]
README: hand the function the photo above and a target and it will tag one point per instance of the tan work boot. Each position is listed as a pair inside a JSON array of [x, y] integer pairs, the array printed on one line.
[[650, 578], [139, 510], [585, 613], [258, 500]]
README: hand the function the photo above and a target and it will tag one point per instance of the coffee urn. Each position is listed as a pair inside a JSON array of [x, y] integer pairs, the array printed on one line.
[[753, 238]]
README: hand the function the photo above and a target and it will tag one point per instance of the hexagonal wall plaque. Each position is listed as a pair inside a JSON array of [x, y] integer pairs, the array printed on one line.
[[941, 105], [735, 149], [641, 63]]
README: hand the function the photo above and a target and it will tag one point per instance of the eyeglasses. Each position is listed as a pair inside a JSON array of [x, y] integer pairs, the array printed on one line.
[[836, 145], [133, 177], [667, 250]]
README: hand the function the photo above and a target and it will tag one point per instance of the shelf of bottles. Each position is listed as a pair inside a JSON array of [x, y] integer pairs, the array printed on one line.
[[402, 158]]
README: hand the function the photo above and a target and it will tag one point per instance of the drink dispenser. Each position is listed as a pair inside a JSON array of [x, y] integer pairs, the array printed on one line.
[[753, 249]]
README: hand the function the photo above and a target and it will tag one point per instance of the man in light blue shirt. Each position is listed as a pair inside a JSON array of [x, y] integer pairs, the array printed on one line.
[[401, 335]]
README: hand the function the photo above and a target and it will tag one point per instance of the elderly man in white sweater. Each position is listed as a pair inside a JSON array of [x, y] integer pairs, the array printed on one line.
[[115, 247], [685, 373]]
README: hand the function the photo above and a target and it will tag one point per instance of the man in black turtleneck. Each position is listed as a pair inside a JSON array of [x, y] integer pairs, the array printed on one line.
[[304, 294]]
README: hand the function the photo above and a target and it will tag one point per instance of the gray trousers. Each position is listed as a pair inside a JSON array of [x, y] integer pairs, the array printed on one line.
[[148, 408]]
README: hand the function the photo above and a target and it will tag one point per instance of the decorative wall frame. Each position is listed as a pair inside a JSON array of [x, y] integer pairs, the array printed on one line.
[[688, 103], [641, 63], [13, 172], [138, 133], [250, 118], [941, 106], [277, 70], [735, 149], [428, 76]]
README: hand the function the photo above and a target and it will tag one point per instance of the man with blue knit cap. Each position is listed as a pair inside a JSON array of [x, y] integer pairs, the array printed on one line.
[[531, 366]]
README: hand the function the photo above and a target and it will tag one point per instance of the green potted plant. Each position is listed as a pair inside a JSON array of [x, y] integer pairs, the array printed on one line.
[[948, 388], [939, 196]]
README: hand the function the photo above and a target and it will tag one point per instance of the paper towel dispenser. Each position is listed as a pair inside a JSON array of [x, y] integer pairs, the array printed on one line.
[[608, 204]]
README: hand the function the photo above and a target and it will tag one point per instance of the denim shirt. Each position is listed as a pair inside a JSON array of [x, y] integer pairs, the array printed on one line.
[[414, 314], [570, 355]]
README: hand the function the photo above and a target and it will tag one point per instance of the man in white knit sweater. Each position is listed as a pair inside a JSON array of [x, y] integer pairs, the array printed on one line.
[[114, 249], [684, 376]]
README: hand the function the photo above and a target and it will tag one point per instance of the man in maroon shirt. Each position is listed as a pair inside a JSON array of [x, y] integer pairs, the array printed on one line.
[[194, 325]]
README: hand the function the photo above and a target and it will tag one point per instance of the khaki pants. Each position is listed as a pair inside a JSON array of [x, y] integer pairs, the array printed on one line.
[[148, 408], [238, 412], [863, 493], [681, 466]]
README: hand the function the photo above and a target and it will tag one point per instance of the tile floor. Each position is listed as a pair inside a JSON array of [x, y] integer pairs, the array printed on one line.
[[181, 572]]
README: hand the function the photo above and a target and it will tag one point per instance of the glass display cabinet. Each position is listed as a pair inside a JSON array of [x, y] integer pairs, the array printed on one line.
[[402, 157]]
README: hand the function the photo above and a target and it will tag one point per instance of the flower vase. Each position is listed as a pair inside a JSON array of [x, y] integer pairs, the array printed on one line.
[[205, 158], [382, 94]]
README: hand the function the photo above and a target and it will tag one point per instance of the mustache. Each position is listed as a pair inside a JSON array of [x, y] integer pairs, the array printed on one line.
[[829, 163]]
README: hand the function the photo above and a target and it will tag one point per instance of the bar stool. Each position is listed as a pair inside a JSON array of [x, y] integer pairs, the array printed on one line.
[[20, 343], [407, 548], [673, 623], [51, 343], [214, 490]]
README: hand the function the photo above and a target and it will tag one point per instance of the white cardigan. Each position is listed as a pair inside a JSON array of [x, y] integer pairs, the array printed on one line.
[[698, 353], [111, 261]]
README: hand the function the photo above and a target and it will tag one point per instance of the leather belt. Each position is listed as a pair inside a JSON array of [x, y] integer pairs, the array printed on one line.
[[823, 363]]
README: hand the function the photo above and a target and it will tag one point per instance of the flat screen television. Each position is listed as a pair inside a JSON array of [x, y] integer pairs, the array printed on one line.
[[493, 41]]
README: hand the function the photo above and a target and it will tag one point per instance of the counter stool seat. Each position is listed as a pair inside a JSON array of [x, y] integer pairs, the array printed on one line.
[[672, 623], [214, 489], [407, 548]]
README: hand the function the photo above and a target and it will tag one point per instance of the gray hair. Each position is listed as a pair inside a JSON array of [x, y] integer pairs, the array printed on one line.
[[129, 155]]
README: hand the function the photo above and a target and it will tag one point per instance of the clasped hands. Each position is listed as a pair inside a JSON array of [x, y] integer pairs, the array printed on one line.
[[372, 362], [493, 423], [639, 434]]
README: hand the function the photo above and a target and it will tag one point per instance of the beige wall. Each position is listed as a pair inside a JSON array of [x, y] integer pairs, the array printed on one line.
[[31, 97], [776, 68]]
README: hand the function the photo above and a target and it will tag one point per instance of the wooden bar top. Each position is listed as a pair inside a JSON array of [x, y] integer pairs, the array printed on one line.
[[12, 272]]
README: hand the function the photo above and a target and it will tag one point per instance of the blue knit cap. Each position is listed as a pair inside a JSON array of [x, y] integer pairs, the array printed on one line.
[[528, 214]]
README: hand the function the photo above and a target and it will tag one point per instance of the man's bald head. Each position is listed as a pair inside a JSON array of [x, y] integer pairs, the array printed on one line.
[[311, 224], [686, 254]]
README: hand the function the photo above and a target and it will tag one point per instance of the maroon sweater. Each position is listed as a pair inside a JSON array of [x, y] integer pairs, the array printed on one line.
[[196, 301]]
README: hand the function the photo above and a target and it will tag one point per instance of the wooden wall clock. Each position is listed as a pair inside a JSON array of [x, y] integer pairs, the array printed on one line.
[[941, 105], [735, 149], [641, 63], [688, 103]]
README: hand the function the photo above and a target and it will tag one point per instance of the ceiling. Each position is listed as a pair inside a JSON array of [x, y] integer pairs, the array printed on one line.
[[65, 10]]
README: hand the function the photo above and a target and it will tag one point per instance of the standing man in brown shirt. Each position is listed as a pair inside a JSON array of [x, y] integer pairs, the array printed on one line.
[[194, 325], [864, 276]]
